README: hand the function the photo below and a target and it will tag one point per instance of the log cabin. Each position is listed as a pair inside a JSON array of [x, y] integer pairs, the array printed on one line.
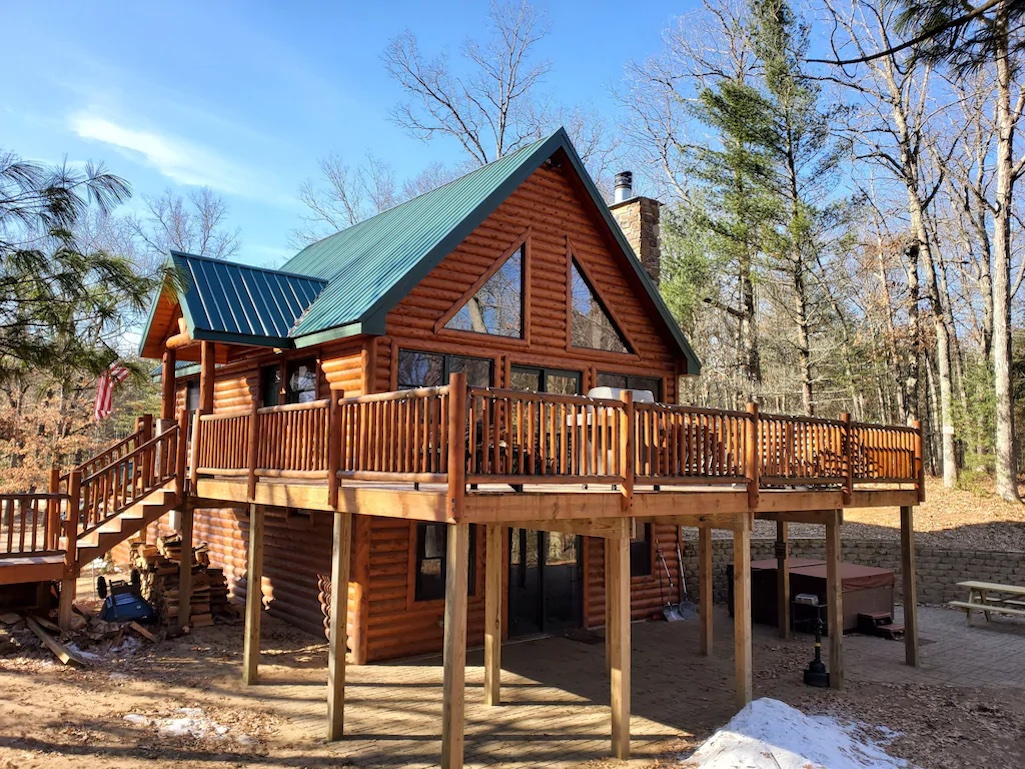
[[463, 415]]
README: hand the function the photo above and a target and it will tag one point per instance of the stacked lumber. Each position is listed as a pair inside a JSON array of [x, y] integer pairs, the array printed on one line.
[[159, 568]]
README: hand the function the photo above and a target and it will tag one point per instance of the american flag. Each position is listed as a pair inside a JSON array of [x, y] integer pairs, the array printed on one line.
[[109, 379]]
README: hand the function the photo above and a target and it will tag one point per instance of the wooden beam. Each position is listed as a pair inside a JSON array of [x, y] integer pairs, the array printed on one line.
[[185, 566], [908, 577], [688, 503], [821, 517], [617, 578], [494, 545], [594, 527], [884, 498], [706, 578], [791, 501], [834, 601], [206, 377], [254, 598], [167, 389], [742, 645], [454, 675], [341, 550], [783, 578]]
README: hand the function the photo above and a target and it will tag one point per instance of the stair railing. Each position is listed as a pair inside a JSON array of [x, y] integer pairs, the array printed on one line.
[[127, 479]]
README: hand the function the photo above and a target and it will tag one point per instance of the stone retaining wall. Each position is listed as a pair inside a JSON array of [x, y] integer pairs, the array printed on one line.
[[939, 570]]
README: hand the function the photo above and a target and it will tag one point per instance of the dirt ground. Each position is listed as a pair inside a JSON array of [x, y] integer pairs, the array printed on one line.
[[180, 702]]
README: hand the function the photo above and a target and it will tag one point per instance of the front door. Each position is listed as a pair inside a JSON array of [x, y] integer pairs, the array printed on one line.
[[545, 582]]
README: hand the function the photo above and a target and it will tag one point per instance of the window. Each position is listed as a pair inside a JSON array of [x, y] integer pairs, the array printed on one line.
[[192, 395], [545, 380], [270, 385], [431, 561], [432, 369], [630, 382], [640, 552], [590, 324], [497, 306], [301, 381]]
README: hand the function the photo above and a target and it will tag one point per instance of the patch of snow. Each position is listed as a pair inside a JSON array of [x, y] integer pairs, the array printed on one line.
[[768, 734], [193, 723], [84, 654]]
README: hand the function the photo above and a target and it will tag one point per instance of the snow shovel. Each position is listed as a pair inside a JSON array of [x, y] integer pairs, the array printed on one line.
[[670, 611], [686, 607]]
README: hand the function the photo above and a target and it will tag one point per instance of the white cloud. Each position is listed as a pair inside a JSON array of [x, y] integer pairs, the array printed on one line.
[[178, 159]]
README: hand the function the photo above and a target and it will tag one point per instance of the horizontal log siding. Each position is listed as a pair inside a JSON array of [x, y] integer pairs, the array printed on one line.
[[550, 206], [646, 595], [397, 626]]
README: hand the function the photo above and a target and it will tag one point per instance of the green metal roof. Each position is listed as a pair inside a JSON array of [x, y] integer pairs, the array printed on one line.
[[347, 283], [230, 302]]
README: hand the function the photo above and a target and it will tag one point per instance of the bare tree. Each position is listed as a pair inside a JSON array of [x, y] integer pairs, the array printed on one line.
[[196, 224]]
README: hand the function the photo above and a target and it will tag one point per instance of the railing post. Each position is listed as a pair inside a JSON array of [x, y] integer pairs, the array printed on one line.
[[457, 422], [626, 448], [334, 445], [251, 449], [847, 444], [53, 510], [67, 596], [180, 456], [919, 461], [197, 426], [146, 427], [752, 456]]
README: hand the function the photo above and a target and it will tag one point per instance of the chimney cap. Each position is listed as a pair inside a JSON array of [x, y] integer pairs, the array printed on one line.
[[624, 186]]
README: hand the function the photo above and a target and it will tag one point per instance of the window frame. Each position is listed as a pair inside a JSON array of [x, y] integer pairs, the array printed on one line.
[[415, 561], [572, 260], [522, 243], [446, 366], [543, 373], [294, 364], [630, 380]]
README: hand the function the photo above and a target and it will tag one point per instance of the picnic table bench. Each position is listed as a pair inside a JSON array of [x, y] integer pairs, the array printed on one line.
[[990, 597]]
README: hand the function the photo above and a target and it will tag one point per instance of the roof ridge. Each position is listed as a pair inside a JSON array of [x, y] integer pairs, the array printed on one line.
[[243, 265]]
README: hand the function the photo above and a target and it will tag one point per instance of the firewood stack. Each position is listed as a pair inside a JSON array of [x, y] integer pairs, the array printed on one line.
[[158, 566]]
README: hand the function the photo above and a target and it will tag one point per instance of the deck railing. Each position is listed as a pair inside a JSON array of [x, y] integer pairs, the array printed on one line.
[[515, 437], [30, 523]]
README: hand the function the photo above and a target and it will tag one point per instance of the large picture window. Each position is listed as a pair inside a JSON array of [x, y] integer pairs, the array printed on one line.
[[591, 326], [497, 307], [301, 381], [432, 559], [630, 382], [545, 380], [432, 369]]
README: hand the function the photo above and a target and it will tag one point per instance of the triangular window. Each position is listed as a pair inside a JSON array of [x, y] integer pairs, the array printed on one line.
[[496, 308], [590, 324]]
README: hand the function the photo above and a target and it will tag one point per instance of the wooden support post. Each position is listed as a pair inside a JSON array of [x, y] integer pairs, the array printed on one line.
[[495, 540], [742, 645], [607, 548], [705, 585], [457, 449], [848, 458], [907, 565], [342, 548], [254, 598], [783, 578], [334, 446], [456, 586], [919, 460], [626, 449], [181, 461], [146, 428], [752, 456], [167, 394], [68, 579], [834, 601], [53, 510], [617, 576], [253, 445], [185, 567], [206, 377], [197, 438]]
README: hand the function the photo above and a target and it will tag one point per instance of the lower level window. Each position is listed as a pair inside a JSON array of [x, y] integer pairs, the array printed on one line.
[[432, 561], [640, 552], [432, 369], [630, 382]]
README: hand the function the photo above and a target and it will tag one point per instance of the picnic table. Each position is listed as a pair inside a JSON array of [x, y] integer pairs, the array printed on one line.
[[990, 597]]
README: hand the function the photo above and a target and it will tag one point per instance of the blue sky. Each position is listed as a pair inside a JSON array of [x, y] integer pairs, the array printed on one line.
[[247, 97]]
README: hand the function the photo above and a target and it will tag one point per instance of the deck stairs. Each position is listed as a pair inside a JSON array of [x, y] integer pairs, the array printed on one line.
[[96, 542]]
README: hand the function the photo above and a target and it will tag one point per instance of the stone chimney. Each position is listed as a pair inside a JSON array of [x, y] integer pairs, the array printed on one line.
[[638, 218]]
